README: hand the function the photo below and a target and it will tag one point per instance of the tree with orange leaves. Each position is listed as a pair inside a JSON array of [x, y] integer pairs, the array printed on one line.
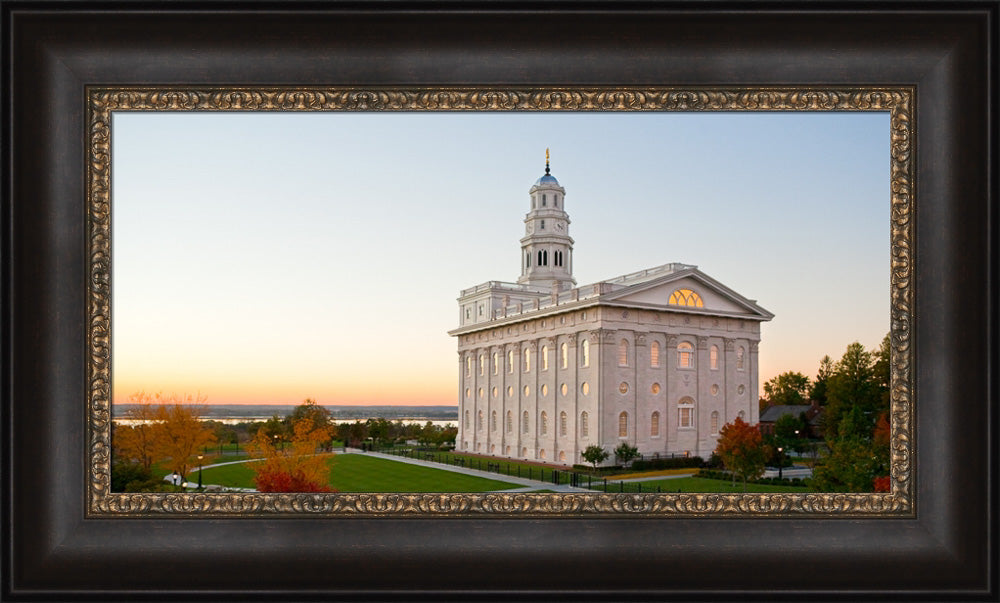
[[741, 449], [178, 433], [297, 467]]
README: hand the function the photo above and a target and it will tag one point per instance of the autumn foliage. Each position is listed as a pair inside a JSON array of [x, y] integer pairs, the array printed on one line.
[[292, 466], [167, 429], [741, 449], [881, 484]]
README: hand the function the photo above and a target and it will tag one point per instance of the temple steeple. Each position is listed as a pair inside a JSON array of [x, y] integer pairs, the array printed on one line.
[[547, 248]]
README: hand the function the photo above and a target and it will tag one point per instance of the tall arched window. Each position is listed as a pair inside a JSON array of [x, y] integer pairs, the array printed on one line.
[[524, 422], [685, 355], [585, 352], [496, 363], [623, 425], [584, 425], [654, 425], [564, 355], [623, 353], [562, 423], [739, 358], [527, 360], [715, 421], [713, 357], [527, 260], [482, 364], [510, 361], [479, 421], [493, 421], [545, 358], [685, 412], [510, 421], [544, 202], [654, 355], [468, 365], [544, 427], [466, 419]]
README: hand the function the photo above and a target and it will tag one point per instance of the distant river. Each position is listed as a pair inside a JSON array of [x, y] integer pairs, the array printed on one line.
[[261, 419]]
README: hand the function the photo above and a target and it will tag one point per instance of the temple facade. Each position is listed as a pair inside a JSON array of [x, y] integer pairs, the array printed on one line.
[[661, 358]]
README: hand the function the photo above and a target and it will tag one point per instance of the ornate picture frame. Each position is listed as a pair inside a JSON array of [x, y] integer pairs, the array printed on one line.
[[897, 102]]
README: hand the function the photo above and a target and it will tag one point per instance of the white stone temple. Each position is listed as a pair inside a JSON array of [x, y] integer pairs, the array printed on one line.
[[661, 358]]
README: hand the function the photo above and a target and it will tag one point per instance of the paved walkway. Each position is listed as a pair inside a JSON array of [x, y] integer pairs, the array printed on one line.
[[524, 483]]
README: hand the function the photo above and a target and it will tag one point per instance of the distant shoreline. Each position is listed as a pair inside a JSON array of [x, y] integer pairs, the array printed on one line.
[[235, 411]]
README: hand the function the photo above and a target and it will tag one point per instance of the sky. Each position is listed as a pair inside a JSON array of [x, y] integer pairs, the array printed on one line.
[[274, 257]]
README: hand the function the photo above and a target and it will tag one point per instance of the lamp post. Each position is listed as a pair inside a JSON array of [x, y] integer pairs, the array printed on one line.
[[781, 460], [200, 457]]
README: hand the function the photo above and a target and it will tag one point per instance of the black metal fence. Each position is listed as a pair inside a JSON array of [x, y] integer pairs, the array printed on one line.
[[543, 474]]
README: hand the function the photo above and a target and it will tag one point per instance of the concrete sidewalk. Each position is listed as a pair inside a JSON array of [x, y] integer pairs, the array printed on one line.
[[524, 483]]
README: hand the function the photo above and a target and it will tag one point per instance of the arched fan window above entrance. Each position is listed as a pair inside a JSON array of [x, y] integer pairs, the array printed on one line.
[[685, 297]]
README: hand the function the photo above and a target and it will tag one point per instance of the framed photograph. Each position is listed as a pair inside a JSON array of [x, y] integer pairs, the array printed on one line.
[[104, 127]]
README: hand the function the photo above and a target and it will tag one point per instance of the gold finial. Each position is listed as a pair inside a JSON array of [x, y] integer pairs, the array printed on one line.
[[546, 160]]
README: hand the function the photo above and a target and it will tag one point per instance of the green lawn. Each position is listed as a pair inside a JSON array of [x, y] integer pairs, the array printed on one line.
[[238, 475], [700, 484], [360, 473]]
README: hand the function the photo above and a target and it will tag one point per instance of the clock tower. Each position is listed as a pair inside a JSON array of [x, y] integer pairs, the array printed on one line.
[[547, 248]]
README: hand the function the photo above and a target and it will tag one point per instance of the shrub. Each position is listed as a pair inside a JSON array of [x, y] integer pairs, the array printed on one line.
[[680, 462], [268, 480]]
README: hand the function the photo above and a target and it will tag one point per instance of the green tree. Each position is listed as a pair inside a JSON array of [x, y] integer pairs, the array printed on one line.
[[741, 448], [853, 384], [817, 391], [790, 387], [851, 465], [788, 435], [594, 454], [625, 453]]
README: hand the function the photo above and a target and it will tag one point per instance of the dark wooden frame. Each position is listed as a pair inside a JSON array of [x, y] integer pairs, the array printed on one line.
[[52, 51]]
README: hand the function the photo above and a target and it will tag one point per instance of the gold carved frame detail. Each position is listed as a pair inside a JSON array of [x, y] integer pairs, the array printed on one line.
[[103, 101]]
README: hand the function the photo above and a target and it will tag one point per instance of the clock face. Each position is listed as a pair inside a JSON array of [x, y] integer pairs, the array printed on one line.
[[559, 226]]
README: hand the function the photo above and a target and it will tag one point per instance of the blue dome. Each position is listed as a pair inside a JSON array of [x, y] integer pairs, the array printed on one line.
[[547, 179]]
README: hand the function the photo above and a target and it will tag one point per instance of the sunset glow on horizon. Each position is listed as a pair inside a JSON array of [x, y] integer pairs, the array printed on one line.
[[270, 258]]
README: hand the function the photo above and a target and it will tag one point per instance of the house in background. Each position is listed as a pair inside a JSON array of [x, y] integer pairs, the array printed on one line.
[[812, 413]]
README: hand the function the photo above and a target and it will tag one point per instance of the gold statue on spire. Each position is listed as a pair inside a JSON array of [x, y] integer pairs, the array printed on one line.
[[546, 160]]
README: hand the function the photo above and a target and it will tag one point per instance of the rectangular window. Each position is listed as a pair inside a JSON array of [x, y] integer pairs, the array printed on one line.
[[685, 417]]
